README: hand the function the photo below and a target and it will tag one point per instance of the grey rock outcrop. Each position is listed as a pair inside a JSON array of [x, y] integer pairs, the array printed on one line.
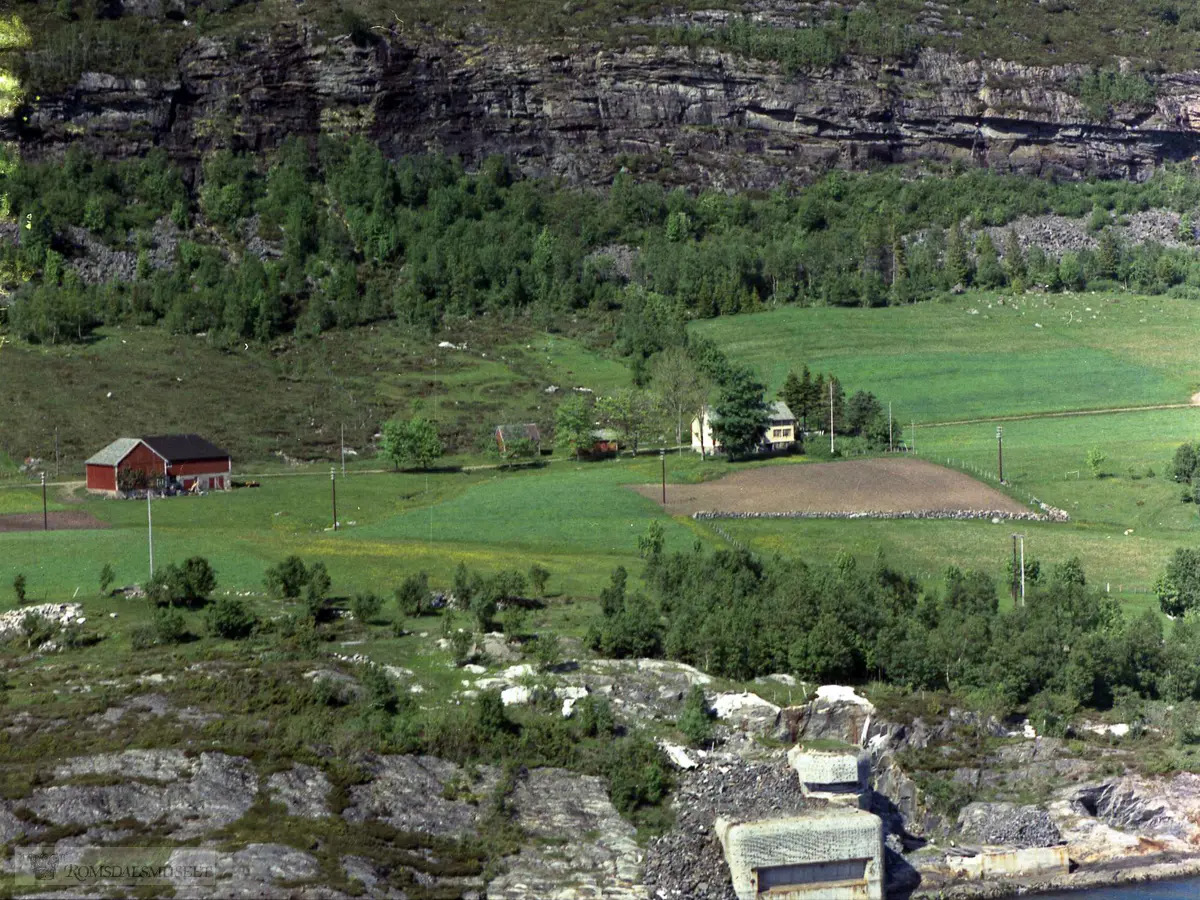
[[186, 795], [578, 839], [707, 117], [409, 793]]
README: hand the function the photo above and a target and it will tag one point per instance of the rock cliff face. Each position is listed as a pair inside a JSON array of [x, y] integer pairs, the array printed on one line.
[[698, 116]]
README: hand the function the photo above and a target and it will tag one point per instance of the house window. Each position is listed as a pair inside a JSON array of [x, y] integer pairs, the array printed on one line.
[[777, 432]]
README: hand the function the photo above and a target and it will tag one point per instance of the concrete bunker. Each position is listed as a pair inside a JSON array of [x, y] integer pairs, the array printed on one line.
[[837, 776], [833, 853]]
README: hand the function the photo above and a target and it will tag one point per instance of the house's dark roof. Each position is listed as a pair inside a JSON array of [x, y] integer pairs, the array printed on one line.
[[780, 412], [183, 447]]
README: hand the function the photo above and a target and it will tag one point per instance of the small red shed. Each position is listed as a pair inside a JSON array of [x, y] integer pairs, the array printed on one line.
[[174, 460]]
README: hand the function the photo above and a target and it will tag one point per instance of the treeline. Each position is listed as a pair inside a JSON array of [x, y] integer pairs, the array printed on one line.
[[736, 615], [861, 32], [335, 235]]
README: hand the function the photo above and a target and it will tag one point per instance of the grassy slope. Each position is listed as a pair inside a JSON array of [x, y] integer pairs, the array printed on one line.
[[941, 361], [292, 398], [973, 357]]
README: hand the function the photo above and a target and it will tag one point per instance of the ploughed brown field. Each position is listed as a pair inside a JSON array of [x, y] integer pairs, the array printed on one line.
[[71, 518], [875, 485]]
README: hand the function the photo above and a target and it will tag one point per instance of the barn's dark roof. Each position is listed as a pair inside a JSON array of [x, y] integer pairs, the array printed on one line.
[[519, 432], [184, 447]]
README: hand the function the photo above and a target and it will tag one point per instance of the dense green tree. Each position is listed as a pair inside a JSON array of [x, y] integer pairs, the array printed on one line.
[[629, 412], [410, 443], [412, 597], [989, 274], [695, 720], [573, 425], [1014, 260], [958, 260], [740, 413], [1184, 463], [1178, 587], [188, 584], [286, 580]]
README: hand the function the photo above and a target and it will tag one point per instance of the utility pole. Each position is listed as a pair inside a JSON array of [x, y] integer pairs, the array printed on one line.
[[662, 455], [333, 491], [1013, 584], [45, 515], [1022, 537], [1000, 451], [150, 531], [831, 417], [1021, 564], [889, 426]]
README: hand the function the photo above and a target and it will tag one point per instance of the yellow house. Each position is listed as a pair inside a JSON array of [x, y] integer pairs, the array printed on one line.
[[780, 433]]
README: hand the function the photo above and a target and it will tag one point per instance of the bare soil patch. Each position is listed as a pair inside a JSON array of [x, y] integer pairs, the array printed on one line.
[[874, 485], [58, 521]]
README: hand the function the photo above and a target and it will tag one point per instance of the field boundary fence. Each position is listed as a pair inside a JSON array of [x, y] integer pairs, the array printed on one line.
[[981, 472]]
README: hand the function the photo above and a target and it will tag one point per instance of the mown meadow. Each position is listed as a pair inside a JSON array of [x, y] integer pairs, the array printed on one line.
[[982, 354]]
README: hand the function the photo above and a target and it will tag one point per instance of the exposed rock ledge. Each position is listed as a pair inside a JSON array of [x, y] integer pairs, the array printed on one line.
[[700, 117]]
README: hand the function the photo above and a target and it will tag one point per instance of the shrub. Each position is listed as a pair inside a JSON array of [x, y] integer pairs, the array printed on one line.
[[185, 585], [380, 691], [366, 607], [142, 637], [538, 576], [170, 627], [229, 618], [636, 774], [461, 644], [696, 720], [107, 577], [18, 585], [316, 592], [413, 595], [286, 580], [490, 714], [595, 716], [547, 652], [36, 629]]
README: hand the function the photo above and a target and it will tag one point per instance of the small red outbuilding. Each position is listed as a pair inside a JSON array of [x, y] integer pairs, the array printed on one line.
[[179, 460]]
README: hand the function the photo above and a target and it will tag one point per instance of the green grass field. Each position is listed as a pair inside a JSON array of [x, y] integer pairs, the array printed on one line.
[[581, 521], [975, 358], [577, 520]]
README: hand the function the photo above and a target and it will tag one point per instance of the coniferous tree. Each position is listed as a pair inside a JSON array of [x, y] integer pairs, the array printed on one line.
[[958, 262], [792, 392], [1014, 260], [740, 415], [989, 273]]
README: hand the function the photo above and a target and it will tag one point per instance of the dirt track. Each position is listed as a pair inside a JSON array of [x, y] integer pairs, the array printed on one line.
[[878, 485], [59, 521]]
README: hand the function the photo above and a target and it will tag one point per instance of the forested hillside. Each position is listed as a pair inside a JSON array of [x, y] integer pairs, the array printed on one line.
[[309, 239]]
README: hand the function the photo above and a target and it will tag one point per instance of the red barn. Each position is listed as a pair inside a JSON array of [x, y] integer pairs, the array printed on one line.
[[174, 460]]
